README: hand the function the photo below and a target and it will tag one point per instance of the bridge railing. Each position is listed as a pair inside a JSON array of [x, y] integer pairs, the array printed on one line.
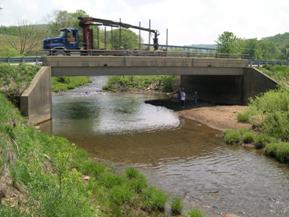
[[268, 62], [28, 59]]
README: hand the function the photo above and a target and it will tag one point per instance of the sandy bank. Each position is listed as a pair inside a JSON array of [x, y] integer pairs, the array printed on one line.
[[217, 117]]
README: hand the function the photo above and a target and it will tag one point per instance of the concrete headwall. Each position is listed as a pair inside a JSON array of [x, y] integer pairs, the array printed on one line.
[[214, 89], [35, 102], [255, 83]]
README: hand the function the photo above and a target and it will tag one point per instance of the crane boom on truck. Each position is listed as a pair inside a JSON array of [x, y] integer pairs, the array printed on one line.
[[69, 39]]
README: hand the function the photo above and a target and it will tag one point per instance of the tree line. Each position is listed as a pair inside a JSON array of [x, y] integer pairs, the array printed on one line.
[[276, 47]]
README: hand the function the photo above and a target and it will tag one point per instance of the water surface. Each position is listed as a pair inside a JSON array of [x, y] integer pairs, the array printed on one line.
[[183, 157]]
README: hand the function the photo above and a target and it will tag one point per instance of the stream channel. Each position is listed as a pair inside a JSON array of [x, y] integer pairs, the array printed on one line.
[[183, 157]]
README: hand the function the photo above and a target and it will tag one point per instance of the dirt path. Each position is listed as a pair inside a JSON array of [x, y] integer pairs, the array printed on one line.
[[217, 117]]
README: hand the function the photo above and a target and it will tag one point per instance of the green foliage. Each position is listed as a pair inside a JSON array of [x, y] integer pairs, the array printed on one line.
[[279, 150], [129, 40], [195, 213], [261, 140], [154, 199], [10, 212], [243, 117], [248, 137], [176, 206], [64, 19], [228, 43], [66, 83], [160, 83], [263, 49], [14, 79], [232, 136], [278, 72], [132, 173], [121, 194], [276, 125]]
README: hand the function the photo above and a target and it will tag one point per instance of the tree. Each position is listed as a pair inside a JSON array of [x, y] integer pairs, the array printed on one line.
[[228, 43], [24, 38], [129, 40], [62, 19]]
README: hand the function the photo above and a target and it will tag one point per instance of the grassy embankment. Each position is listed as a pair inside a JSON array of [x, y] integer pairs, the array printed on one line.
[[269, 116], [43, 175], [160, 83], [67, 83], [14, 79]]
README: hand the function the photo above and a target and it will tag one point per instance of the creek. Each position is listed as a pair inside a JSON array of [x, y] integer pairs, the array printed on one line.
[[183, 157]]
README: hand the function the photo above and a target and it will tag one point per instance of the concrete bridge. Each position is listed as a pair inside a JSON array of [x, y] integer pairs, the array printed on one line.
[[217, 80]]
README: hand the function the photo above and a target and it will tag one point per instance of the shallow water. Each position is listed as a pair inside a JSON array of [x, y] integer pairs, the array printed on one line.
[[183, 157]]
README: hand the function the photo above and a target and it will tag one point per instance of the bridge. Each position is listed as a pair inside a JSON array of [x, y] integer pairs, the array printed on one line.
[[218, 80]]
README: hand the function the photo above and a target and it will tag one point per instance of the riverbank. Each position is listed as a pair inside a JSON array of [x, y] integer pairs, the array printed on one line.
[[216, 117]]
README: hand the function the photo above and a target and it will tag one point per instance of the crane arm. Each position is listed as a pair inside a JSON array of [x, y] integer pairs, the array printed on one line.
[[98, 21]]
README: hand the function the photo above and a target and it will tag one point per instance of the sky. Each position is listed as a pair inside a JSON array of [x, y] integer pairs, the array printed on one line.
[[188, 21]]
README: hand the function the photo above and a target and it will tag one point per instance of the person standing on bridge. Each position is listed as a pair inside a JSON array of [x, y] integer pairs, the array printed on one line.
[[183, 97]]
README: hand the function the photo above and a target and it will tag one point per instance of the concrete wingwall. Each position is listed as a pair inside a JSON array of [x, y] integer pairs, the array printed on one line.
[[228, 89], [255, 83], [35, 102]]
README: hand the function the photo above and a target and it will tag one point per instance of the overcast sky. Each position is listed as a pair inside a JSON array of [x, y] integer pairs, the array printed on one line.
[[188, 21]]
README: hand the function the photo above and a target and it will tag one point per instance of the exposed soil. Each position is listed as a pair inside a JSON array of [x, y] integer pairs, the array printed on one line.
[[217, 117]]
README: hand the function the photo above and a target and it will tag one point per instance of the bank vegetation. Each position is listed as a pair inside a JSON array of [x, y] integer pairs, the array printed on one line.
[[269, 116]]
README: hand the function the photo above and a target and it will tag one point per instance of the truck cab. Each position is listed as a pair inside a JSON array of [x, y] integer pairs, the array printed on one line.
[[67, 40]]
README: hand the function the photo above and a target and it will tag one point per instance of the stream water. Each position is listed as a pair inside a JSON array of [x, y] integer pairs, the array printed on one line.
[[182, 157]]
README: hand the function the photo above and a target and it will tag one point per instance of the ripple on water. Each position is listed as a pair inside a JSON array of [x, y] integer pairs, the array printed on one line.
[[189, 160]]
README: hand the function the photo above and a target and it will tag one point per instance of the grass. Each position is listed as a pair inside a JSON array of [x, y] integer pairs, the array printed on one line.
[[176, 206], [67, 83], [157, 83], [154, 199], [195, 213], [49, 172], [278, 150], [278, 72], [14, 79], [232, 136]]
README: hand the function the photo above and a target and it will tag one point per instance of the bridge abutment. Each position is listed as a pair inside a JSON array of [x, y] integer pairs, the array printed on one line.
[[36, 100]]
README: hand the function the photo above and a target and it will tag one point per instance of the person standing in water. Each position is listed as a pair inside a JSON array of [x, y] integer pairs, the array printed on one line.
[[183, 97], [195, 98]]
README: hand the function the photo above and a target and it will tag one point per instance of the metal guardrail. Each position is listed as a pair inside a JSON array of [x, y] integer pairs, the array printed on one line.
[[39, 59], [29, 59], [268, 62]]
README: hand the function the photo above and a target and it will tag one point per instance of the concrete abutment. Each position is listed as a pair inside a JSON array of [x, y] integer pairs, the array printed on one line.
[[36, 101]]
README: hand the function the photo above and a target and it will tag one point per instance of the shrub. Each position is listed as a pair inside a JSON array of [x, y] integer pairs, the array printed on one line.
[[279, 150], [138, 184], [248, 137], [261, 140], [176, 206], [277, 125], [121, 194], [109, 180], [154, 199], [195, 213], [243, 117], [232, 137], [131, 173]]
